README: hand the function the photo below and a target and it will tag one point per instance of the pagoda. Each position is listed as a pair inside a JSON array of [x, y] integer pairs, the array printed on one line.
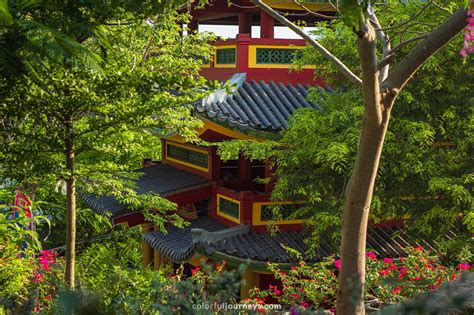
[[227, 208]]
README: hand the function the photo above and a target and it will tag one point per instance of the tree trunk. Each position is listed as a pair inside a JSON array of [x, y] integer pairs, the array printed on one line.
[[358, 197], [70, 215]]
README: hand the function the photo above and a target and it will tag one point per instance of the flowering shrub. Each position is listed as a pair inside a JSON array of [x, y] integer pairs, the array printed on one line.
[[303, 285], [387, 280], [392, 281], [468, 47], [28, 279], [45, 281]]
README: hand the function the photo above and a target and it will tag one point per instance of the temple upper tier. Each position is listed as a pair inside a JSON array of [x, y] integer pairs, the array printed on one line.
[[261, 58]]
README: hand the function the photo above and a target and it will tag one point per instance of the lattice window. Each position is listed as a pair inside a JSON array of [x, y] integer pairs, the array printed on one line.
[[229, 207], [266, 213], [225, 56], [277, 56], [189, 156]]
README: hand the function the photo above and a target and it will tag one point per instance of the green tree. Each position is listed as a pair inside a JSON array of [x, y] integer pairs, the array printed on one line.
[[79, 124], [382, 77]]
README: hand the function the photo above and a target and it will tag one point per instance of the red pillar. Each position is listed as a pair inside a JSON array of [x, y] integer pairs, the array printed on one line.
[[246, 204], [243, 41], [245, 169], [245, 23], [215, 170], [267, 25], [212, 211]]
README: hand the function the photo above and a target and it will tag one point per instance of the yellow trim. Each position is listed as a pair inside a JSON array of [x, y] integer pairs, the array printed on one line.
[[291, 5], [204, 169], [250, 280], [209, 125], [224, 65], [125, 224], [257, 212], [253, 57], [206, 65], [226, 215], [228, 132]]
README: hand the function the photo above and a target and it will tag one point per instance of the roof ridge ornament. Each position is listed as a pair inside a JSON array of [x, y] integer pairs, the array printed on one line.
[[203, 236], [219, 96]]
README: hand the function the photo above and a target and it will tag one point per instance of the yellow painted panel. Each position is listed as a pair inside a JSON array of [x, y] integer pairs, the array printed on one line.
[[253, 57], [191, 148], [219, 196], [224, 65], [257, 211]]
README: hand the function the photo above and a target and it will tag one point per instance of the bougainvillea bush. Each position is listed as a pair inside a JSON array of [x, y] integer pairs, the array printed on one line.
[[28, 274], [388, 280]]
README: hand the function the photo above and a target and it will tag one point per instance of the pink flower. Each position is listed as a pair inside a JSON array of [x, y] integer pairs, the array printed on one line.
[[46, 259], [195, 270], [468, 47], [38, 277], [393, 267], [384, 272], [463, 266], [276, 291], [337, 264], [397, 290], [416, 278], [388, 260], [419, 248], [371, 255], [304, 304], [296, 296]]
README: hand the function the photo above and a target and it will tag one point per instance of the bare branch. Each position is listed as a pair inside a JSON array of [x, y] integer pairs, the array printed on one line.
[[424, 50], [386, 46], [408, 41], [391, 55], [441, 8], [315, 13], [411, 19], [328, 55]]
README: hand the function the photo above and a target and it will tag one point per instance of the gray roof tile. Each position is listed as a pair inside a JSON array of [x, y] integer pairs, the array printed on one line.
[[256, 105], [161, 179], [179, 245]]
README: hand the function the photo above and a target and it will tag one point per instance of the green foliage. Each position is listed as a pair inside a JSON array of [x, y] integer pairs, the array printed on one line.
[[112, 269], [34, 33], [207, 285], [112, 281], [111, 118]]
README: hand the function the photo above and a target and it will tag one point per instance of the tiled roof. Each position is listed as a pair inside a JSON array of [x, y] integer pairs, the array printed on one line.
[[256, 105], [160, 179], [180, 244]]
